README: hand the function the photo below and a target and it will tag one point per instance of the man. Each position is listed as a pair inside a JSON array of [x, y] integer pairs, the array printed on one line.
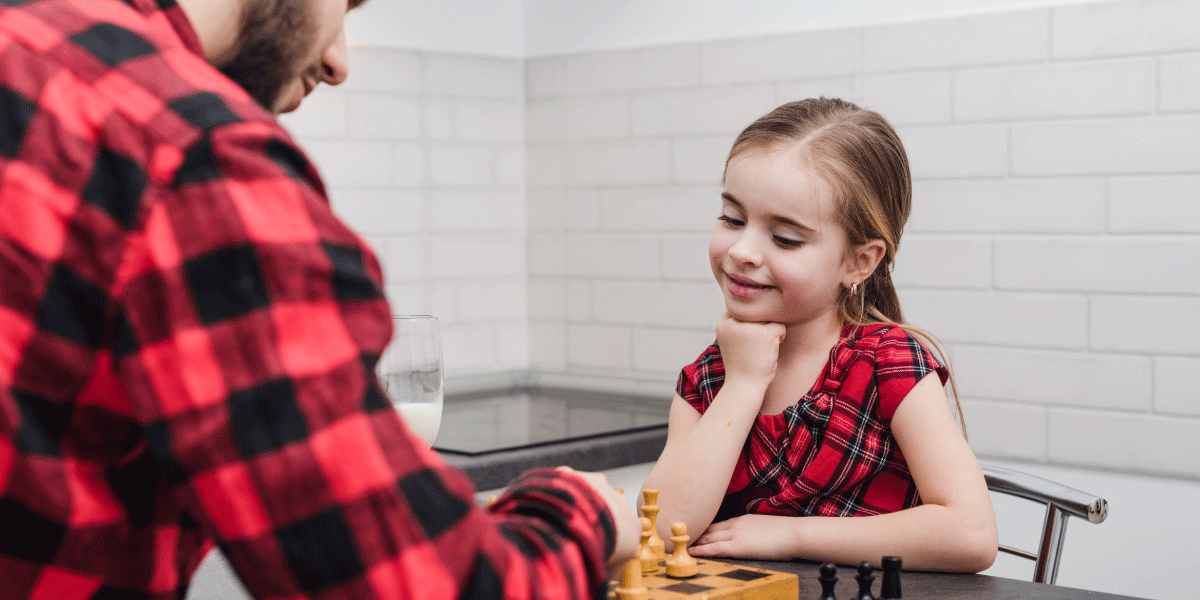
[[188, 335]]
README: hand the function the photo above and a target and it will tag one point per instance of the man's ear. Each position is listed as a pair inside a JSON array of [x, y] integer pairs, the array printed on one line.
[[863, 260]]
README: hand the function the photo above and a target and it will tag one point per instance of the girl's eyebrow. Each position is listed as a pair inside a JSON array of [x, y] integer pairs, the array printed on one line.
[[726, 196]]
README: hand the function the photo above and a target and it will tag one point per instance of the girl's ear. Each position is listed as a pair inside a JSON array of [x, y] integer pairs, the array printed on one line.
[[863, 260]]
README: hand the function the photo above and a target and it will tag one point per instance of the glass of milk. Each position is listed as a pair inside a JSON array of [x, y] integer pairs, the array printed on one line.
[[411, 372]]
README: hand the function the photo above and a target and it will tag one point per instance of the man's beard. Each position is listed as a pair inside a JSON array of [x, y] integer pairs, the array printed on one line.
[[274, 38]]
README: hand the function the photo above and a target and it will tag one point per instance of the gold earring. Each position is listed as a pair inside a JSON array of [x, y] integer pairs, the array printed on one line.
[[853, 290]]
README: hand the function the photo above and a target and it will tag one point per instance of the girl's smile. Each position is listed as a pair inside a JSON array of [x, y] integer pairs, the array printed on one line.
[[746, 288]]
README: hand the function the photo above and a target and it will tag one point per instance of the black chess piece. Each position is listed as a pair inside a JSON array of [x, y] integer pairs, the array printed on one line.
[[890, 586], [865, 579], [828, 578]]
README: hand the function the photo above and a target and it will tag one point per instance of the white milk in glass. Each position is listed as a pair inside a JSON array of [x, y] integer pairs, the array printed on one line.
[[423, 419]]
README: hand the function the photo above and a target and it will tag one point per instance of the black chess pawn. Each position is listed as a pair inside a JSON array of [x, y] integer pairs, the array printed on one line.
[[890, 586], [828, 578], [865, 579]]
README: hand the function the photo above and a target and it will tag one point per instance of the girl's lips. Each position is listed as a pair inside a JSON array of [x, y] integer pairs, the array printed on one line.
[[746, 289]]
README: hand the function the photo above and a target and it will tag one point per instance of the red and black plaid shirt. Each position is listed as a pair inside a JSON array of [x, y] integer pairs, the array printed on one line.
[[832, 453], [187, 347]]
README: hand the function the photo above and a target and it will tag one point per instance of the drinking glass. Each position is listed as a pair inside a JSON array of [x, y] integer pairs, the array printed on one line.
[[411, 372]]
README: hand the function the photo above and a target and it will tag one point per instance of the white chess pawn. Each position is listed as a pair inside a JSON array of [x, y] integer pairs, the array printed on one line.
[[681, 564]]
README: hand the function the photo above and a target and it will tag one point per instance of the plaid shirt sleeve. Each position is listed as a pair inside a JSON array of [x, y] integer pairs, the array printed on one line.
[[188, 339]]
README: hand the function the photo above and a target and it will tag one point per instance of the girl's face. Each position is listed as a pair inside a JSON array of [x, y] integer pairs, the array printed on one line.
[[777, 251]]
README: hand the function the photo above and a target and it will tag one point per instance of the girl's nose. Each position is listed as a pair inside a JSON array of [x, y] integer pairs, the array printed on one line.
[[745, 251]]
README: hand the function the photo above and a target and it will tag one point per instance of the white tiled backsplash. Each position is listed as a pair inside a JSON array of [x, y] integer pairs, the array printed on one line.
[[554, 212]]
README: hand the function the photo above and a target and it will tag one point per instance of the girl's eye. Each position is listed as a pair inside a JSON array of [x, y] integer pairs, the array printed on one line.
[[788, 242], [730, 221]]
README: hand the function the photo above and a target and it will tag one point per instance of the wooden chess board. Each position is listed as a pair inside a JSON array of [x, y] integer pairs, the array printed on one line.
[[715, 580]]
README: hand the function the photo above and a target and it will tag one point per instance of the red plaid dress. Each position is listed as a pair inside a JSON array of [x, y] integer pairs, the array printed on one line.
[[832, 453], [188, 338]]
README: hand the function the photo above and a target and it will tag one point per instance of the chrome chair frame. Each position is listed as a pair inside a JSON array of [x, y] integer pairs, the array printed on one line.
[[1061, 502]]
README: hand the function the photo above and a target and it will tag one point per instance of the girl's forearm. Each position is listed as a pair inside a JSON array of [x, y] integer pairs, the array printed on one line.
[[928, 537], [693, 475]]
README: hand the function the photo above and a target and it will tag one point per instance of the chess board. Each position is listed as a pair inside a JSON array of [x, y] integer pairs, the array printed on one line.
[[715, 580]]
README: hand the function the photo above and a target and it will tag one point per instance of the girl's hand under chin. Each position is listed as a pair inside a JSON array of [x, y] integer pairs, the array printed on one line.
[[750, 350], [750, 537]]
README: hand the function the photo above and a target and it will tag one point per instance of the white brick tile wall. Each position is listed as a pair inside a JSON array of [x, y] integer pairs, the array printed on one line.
[[460, 165], [407, 298], [403, 257], [383, 70], [544, 164], [473, 76], [1005, 430], [666, 351], [662, 304], [795, 56], [510, 165], [596, 117], [940, 151], [599, 346], [909, 98], [1060, 90], [613, 256], [1125, 442], [946, 262], [1029, 320], [663, 209], [723, 110], [686, 258], [543, 77], [374, 116], [700, 160], [489, 120], [1008, 206], [477, 255], [470, 210], [468, 348], [623, 163], [438, 118], [1087, 264], [1146, 324], [1141, 145], [545, 120], [544, 208], [579, 299], [1015, 37], [582, 210], [548, 345], [512, 345], [547, 298], [840, 87], [410, 164], [1175, 389], [379, 210], [547, 254], [623, 70], [491, 300], [443, 301], [1106, 28], [1179, 83], [1154, 205], [353, 163], [323, 114], [1111, 381]]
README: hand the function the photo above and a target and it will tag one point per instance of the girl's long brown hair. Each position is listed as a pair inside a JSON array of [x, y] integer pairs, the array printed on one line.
[[860, 156]]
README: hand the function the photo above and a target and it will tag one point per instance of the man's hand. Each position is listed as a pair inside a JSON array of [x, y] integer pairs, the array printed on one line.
[[627, 523]]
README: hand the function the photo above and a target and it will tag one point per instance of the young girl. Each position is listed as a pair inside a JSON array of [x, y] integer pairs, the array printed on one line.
[[816, 403]]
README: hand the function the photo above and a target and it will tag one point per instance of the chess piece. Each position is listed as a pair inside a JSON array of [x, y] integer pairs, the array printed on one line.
[[681, 564], [650, 510], [890, 586], [865, 579], [828, 578], [645, 554], [630, 587]]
